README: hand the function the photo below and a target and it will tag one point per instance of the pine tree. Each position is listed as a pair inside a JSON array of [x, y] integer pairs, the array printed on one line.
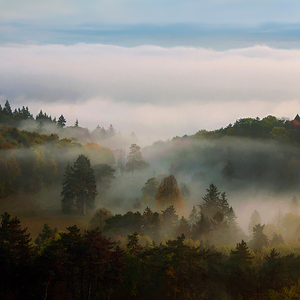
[[7, 109], [84, 188], [259, 239], [254, 220], [67, 193], [183, 228], [61, 122], [79, 186], [194, 216]]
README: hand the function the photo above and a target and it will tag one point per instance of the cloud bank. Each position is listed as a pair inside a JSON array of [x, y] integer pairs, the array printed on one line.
[[160, 92]]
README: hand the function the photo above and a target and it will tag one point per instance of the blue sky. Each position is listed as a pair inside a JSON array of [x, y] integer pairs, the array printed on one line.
[[159, 68], [215, 23]]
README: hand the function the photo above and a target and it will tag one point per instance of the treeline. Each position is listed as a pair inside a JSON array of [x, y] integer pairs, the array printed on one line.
[[270, 127], [263, 152], [75, 265], [30, 160], [212, 220], [14, 118], [18, 116]]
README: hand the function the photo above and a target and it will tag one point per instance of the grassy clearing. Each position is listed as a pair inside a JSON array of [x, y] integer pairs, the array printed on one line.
[[44, 207]]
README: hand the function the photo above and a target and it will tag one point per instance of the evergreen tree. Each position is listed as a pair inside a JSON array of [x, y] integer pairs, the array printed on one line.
[[276, 240], [67, 193], [15, 254], [240, 277], [183, 228], [84, 187], [185, 191], [202, 228], [110, 131], [40, 127], [76, 123], [194, 216], [61, 122], [169, 220], [228, 170], [79, 186], [259, 239], [254, 220], [7, 109]]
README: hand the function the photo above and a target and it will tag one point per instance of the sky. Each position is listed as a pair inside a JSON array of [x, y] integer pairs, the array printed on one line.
[[158, 68]]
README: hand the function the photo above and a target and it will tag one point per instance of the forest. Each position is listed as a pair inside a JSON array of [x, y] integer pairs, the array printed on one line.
[[93, 215]]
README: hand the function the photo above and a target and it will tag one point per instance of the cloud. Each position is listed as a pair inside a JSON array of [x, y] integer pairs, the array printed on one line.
[[146, 11], [160, 90]]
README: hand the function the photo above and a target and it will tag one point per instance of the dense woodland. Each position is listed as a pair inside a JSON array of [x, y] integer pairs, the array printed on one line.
[[175, 234]]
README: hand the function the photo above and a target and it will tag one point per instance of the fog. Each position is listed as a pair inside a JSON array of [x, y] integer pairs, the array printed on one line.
[[156, 92]]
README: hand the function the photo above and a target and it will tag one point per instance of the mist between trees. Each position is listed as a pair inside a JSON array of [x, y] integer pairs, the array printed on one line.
[[165, 207]]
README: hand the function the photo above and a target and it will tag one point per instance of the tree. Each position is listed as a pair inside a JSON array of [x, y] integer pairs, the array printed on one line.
[[240, 281], [294, 206], [61, 122], [15, 252], [254, 220], [110, 131], [259, 239], [104, 175], [79, 186], [76, 123], [85, 189], [135, 160], [276, 240], [150, 188], [168, 194], [40, 127], [7, 109], [185, 191], [213, 202], [67, 192], [194, 216], [99, 218], [183, 228], [228, 170], [169, 220]]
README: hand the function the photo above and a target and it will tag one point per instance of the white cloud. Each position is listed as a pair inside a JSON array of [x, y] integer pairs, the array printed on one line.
[[162, 92]]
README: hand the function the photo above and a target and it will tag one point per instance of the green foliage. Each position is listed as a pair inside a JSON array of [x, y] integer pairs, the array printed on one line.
[[61, 122], [259, 239], [99, 218], [79, 186], [89, 266], [135, 160], [150, 188], [254, 220]]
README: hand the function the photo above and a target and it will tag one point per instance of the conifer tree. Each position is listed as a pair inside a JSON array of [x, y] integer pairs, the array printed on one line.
[[61, 122], [79, 186], [259, 239], [67, 193], [254, 220]]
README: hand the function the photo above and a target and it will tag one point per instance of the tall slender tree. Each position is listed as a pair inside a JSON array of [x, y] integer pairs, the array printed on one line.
[[79, 186]]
